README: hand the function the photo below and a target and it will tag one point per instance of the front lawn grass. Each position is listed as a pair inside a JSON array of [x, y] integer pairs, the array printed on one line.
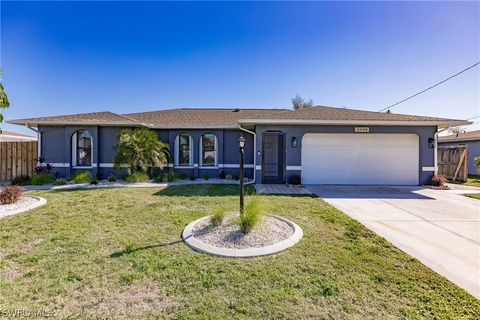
[[472, 180], [117, 253], [473, 195]]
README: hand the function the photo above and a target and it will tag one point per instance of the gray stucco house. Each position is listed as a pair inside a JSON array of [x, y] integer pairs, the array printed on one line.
[[470, 139], [322, 145]]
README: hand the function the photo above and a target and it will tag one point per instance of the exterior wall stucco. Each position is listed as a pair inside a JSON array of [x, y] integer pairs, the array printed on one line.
[[473, 151], [293, 155], [56, 148]]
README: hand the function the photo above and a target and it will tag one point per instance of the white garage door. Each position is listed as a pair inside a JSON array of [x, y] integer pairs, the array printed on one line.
[[370, 159]]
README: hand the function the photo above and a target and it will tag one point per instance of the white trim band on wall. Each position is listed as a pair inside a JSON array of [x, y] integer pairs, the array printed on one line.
[[111, 165], [258, 167], [170, 165], [234, 165], [294, 168], [61, 165], [428, 168]]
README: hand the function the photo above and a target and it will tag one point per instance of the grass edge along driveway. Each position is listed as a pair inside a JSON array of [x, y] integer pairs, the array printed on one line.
[[117, 253]]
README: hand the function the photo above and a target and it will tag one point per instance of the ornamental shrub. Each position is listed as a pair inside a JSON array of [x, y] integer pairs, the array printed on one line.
[[476, 162], [137, 177], [81, 177], [41, 179], [217, 217], [252, 215], [21, 180], [438, 180], [10, 194]]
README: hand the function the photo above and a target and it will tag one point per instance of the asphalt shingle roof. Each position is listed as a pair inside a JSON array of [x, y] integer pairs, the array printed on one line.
[[93, 117], [464, 136], [186, 117], [223, 118], [332, 113]]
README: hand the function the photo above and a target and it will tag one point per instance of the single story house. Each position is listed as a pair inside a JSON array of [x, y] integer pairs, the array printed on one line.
[[8, 136], [322, 145], [470, 139]]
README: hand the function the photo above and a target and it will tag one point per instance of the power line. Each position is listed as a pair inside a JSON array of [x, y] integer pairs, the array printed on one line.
[[431, 87], [473, 117]]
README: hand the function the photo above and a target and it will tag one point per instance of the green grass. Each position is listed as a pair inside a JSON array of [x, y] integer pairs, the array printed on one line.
[[472, 180], [117, 253], [473, 195]]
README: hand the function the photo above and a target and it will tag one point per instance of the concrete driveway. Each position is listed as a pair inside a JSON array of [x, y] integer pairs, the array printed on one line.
[[441, 228]]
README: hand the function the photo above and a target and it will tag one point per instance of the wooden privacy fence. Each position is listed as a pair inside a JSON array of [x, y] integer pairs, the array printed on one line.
[[453, 162], [17, 158]]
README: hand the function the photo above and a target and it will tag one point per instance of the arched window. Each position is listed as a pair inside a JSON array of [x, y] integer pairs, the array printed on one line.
[[82, 149], [208, 150], [183, 150]]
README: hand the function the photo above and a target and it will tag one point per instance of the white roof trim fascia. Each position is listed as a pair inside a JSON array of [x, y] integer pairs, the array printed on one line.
[[453, 140], [193, 127], [357, 122]]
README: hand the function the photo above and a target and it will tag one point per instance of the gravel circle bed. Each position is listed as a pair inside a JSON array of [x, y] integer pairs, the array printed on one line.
[[25, 203], [270, 230]]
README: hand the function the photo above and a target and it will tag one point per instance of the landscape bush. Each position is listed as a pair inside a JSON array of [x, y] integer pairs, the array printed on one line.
[[112, 178], [206, 177], [160, 178], [41, 179], [42, 166], [251, 216], [61, 182], [10, 194], [438, 180], [182, 176], [217, 217], [21, 180], [94, 181], [476, 162], [171, 176], [137, 177], [81, 177]]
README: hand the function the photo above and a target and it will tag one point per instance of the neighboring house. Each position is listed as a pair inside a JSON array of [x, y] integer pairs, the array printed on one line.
[[470, 139], [7, 136], [322, 145]]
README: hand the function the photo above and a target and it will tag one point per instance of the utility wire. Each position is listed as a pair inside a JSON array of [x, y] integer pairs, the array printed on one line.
[[431, 87]]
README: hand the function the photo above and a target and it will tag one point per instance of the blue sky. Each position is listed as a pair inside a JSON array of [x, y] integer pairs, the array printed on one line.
[[73, 57]]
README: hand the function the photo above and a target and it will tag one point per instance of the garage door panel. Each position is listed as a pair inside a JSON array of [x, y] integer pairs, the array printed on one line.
[[360, 159]]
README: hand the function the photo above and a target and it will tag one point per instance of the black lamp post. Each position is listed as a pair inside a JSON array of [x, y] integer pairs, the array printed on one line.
[[241, 143]]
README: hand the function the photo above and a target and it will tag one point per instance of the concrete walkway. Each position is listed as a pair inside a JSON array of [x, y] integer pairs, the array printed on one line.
[[441, 228]]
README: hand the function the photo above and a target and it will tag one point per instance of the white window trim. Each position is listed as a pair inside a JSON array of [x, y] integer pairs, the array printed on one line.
[[215, 166], [177, 149], [74, 152]]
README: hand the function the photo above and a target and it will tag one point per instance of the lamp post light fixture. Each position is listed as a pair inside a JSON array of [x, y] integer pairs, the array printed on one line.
[[241, 143]]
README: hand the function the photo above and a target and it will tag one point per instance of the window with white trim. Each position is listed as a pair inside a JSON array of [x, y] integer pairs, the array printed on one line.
[[183, 150], [208, 150], [82, 149]]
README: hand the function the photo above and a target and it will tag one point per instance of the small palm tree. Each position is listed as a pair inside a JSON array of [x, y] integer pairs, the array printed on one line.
[[140, 150]]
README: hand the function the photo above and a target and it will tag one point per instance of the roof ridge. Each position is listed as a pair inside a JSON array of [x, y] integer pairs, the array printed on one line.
[[125, 117]]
